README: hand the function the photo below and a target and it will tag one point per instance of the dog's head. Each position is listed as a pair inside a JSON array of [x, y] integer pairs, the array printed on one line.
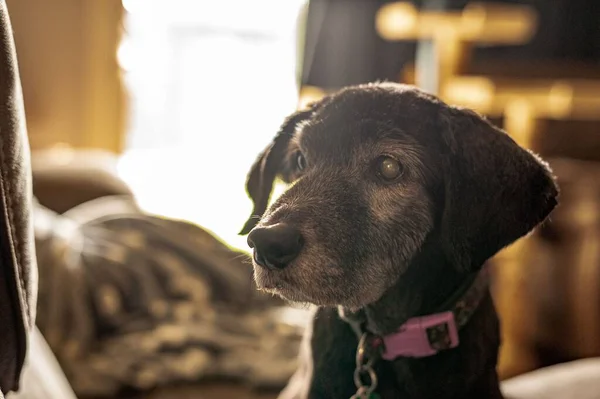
[[376, 169]]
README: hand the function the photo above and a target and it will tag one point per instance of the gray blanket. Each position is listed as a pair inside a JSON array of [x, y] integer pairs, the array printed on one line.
[[130, 300]]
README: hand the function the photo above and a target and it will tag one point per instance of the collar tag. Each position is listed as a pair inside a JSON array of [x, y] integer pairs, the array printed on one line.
[[422, 337]]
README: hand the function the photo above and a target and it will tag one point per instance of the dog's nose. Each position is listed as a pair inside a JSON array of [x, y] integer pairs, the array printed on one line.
[[275, 246]]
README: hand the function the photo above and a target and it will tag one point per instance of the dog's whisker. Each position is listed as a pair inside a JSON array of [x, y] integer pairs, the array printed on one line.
[[240, 256]]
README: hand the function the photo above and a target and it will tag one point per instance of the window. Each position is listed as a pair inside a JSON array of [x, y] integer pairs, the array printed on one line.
[[209, 83]]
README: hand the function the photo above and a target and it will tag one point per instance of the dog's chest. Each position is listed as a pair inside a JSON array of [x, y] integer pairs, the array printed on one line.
[[331, 360]]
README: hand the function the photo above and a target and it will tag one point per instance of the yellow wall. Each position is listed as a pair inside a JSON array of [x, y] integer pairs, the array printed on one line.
[[70, 76]]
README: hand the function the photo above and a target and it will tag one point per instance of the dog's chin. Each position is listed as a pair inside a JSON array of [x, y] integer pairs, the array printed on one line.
[[282, 284], [266, 280], [274, 283], [278, 283]]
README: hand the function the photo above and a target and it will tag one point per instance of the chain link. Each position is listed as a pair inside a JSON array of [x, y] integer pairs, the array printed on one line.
[[364, 370]]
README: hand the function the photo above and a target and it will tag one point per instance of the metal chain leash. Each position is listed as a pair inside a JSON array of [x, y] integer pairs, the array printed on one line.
[[365, 377]]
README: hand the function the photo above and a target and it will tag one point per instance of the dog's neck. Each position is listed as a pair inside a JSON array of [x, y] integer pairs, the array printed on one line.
[[428, 283]]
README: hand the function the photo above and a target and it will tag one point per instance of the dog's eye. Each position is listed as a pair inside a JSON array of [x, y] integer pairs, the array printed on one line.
[[300, 161], [389, 169]]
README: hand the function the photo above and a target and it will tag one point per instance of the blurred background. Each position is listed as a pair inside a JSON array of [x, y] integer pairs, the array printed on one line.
[[170, 103]]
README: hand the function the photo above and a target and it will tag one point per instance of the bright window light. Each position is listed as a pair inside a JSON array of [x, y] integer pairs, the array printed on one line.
[[209, 83]]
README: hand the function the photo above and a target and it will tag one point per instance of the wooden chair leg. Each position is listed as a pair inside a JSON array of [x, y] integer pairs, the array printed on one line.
[[521, 122]]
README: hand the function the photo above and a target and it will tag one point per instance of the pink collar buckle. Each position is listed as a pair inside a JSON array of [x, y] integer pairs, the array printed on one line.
[[422, 336]]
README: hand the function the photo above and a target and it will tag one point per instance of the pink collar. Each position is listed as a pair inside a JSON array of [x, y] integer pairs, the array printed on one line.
[[427, 335], [415, 337]]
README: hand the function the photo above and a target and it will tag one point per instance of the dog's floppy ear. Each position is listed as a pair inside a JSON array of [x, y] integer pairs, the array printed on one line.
[[269, 165], [495, 191]]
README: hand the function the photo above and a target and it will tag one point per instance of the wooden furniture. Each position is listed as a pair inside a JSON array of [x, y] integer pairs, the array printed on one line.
[[525, 103], [446, 37]]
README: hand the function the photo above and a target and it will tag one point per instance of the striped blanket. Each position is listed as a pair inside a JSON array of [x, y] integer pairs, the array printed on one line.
[[134, 301]]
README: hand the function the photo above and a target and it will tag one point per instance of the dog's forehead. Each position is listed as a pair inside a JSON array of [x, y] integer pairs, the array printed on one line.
[[367, 114]]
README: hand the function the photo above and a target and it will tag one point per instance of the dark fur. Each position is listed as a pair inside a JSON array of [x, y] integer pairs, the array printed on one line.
[[395, 250]]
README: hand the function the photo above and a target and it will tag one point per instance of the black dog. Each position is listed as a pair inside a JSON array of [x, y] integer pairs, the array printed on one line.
[[397, 202]]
